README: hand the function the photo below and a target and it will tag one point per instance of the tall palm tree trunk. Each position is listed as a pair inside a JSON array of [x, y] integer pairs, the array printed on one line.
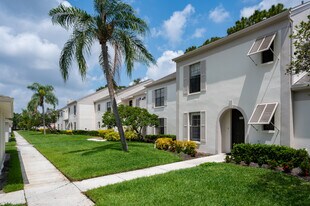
[[109, 77], [43, 115]]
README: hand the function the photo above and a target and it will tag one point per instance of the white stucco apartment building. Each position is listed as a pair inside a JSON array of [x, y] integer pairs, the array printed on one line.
[[86, 112], [134, 95], [236, 89], [161, 100], [6, 114]]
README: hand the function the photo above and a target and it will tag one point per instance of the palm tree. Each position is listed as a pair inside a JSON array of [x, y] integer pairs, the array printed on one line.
[[42, 94], [114, 24]]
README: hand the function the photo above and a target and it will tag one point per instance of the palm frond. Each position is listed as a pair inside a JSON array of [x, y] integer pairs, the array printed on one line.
[[79, 44], [69, 17]]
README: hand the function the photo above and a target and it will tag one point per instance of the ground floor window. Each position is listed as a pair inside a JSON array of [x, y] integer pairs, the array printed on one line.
[[161, 127], [74, 125], [194, 126], [99, 125], [270, 126]]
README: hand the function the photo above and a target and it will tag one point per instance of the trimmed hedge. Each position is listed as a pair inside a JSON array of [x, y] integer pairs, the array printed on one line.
[[273, 155], [153, 138]]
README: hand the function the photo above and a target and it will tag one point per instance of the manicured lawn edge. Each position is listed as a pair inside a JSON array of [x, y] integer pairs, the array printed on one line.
[[14, 178], [79, 159], [208, 184]]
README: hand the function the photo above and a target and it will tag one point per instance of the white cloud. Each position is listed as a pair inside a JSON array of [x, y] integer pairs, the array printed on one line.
[[219, 14], [41, 54], [266, 4], [164, 65], [199, 32], [30, 49], [173, 28]]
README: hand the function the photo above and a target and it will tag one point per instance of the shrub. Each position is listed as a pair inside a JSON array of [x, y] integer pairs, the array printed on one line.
[[153, 138], [190, 148], [187, 147], [273, 155], [131, 135], [287, 166], [111, 135], [163, 143], [305, 167], [68, 132]]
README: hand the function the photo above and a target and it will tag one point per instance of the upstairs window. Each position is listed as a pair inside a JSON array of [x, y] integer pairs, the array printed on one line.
[[108, 106], [98, 107], [270, 126], [74, 110], [194, 80], [265, 46], [130, 103], [159, 97], [267, 56], [69, 110]]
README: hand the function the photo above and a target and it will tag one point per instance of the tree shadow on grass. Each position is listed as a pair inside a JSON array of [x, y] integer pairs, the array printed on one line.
[[282, 189], [111, 146]]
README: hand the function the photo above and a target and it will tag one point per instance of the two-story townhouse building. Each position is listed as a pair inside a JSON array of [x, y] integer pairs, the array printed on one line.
[[134, 95], [161, 100], [80, 114], [6, 114], [237, 89]]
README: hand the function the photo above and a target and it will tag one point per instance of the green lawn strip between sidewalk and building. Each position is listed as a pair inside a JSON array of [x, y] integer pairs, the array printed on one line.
[[208, 184], [14, 180], [80, 159]]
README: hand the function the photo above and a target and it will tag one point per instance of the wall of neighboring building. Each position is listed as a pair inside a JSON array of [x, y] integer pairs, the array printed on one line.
[[233, 81], [302, 119], [2, 140], [168, 111], [86, 117]]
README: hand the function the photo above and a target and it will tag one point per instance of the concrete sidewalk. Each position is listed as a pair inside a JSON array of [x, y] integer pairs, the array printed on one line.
[[46, 185], [93, 183]]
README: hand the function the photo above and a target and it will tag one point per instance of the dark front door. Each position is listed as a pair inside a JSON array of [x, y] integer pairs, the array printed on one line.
[[237, 127]]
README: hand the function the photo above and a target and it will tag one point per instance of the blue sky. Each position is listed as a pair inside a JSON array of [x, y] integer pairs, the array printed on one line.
[[31, 45]]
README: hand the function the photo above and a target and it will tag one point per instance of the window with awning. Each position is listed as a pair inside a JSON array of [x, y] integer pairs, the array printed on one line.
[[263, 113], [261, 44]]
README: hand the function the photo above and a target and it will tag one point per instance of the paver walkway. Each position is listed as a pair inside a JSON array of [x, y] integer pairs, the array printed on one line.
[[93, 183], [47, 186]]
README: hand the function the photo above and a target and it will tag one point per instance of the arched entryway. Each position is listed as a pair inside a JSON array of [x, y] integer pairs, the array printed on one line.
[[232, 129]]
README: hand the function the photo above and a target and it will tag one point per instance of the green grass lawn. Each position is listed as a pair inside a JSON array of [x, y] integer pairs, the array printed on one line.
[[14, 179], [208, 184], [80, 159]]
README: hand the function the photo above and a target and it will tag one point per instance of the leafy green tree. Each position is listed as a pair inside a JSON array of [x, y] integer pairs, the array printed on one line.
[[16, 120], [212, 39], [136, 81], [256, 17], [42, 94], [29, 119], [113, 24], [301, 58], [191, 48], [135, 118]]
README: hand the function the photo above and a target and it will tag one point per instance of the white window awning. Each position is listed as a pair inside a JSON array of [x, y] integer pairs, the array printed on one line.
[[263, 113], [261, 44]]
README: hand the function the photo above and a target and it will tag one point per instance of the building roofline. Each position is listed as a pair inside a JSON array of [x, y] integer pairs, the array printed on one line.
[[165, 79], [270, 21], [148, 81]]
